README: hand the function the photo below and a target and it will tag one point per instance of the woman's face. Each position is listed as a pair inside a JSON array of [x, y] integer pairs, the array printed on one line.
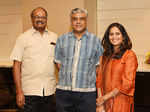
[[115, 37]]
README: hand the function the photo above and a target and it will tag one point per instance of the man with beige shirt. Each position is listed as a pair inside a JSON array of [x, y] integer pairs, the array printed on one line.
[[33, 68]]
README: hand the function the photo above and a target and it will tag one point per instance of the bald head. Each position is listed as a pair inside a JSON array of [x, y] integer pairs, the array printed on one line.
[[38, 8], [39, 19]]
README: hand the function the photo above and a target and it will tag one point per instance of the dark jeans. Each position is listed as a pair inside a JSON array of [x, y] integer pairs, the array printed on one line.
[[69, 101], [40, 104]]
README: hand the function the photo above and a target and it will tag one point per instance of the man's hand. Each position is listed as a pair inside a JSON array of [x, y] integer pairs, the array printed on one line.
[[20, 99]]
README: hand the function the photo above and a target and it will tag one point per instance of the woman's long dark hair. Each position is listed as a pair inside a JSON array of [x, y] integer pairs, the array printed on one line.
[[108, 47]]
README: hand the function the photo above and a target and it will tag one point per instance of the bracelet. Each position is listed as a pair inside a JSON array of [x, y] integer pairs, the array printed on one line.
[[104, 99], [98, 104], [113, 94]]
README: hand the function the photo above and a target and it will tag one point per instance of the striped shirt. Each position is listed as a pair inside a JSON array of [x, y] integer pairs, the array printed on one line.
[[78, 59]]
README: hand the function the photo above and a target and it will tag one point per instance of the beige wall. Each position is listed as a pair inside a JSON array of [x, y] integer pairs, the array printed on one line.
[[15, 18], [133, 14], [90, 5], [58, 10], [10, 26]]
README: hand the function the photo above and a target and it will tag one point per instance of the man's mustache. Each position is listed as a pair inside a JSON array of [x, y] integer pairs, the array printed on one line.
[[40, 22]]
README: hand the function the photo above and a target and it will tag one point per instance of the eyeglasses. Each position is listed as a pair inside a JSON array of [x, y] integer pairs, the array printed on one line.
[[79, 18], [39, 17]]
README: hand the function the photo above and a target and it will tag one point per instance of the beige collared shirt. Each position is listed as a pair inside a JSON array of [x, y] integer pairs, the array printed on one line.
[[36, 53]]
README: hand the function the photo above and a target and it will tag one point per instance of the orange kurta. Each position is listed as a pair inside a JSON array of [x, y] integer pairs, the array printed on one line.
[[120, 74]]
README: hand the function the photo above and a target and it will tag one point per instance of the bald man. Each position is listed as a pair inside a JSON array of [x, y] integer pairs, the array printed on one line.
[[33, 67]]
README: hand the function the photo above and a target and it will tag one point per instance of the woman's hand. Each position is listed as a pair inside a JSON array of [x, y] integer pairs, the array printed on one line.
[[100, 101], [100, 108]]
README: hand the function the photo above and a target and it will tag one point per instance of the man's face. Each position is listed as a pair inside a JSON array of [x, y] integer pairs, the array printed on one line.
[[39, 20], [79, 22]]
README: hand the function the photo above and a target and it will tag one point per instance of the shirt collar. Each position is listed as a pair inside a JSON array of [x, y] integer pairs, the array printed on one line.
[[35, 31], [86, 34]]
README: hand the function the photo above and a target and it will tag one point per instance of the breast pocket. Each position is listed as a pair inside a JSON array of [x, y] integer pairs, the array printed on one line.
[[67, 51]]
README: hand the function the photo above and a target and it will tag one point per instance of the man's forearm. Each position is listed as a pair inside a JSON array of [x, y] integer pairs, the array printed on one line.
[[58, 66], [17, 75]]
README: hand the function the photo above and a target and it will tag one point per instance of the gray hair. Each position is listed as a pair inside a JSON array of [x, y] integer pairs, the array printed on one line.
[[79, 10]]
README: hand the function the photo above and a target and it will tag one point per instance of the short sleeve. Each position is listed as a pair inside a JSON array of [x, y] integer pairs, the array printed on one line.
[[58, 56], [99, 51], [17, 52]]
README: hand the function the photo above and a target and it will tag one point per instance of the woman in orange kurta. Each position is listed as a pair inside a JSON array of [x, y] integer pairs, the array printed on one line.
[[117, 72]]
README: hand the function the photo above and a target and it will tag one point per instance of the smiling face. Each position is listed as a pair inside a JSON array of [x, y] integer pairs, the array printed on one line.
[[79, 22], [115, 37], [39, 20]]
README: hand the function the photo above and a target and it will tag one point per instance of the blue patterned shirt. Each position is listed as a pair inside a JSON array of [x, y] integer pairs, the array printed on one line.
[[90, 51]]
